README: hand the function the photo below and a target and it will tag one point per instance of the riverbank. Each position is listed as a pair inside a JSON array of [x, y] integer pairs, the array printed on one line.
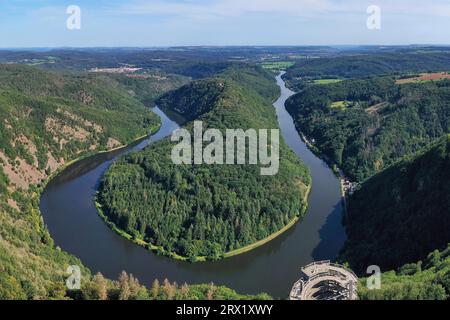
[[36, 196], [173, 255], [336, 170], [85, 155], [176, 244], [35, 245], [276, 234]]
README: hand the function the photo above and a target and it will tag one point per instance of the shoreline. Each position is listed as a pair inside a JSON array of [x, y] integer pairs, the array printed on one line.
[[275, 234], [333, 166], [100, 244], [89, 154], [40, 188], [36, 196], [175, 256]]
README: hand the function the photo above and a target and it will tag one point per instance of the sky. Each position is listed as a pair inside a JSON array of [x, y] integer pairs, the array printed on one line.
[[156, 23]]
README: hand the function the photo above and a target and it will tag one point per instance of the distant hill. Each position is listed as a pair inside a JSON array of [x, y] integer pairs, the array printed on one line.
[[365, 65], [402, 213], [206, 211]]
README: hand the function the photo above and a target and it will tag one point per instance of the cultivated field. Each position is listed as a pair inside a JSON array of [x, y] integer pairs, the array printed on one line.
[[424, 77], [327, 81]]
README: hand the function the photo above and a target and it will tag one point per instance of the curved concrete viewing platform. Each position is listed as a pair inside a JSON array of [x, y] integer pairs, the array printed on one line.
[[324, 280]]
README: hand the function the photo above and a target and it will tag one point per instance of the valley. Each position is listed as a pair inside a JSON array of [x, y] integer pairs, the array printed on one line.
[[216, 208], [104, 250], [392, 138], [86, 177]]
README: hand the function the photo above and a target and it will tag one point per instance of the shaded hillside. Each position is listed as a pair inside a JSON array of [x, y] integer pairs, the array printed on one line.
[[48, 118], [366, 125], [401, 214], [194, 99], [428, 279], [200, 97], [147, 87], [197, 211]]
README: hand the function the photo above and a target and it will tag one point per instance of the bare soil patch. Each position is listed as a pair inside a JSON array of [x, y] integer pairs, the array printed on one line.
[[436, 76]]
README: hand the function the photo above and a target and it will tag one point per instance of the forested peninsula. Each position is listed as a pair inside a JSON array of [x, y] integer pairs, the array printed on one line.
[[199, 212]]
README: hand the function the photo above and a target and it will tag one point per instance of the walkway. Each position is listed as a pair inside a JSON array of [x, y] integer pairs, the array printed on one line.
[[324, 280]]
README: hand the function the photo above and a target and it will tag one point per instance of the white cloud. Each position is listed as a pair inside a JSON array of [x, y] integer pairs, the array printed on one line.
[[225, 8], [48, 13], [299, 8]]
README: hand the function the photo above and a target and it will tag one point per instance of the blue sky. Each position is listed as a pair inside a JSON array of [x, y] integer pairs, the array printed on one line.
[[36, 23]]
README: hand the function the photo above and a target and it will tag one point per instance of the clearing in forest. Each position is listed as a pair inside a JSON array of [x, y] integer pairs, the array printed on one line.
[[424, 77]]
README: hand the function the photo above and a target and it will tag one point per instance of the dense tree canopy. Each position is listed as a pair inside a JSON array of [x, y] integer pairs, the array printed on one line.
[[428, 279], [366, 125], [47, 119], [365, 65], [79, 110], [402, 213], [127, 287], [207, 210]]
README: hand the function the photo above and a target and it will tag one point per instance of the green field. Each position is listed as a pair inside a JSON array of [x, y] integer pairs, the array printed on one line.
[[326, 81], [277, 66], [342, 105]]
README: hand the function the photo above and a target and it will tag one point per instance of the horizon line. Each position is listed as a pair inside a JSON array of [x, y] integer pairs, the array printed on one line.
[[229, 46]]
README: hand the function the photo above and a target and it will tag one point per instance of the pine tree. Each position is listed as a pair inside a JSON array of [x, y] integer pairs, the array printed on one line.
[[124, 287], [155, 289], [211, 291], [137, 291], [169, 289], [184, 291], [101, 286]]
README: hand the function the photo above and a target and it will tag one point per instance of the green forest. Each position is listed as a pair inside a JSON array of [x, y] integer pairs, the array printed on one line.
[[205, 211], [126, 287], [427, 279], [392, 138], [366, 125], [88, 109], [304, 72], [74, 111], [401, 214]]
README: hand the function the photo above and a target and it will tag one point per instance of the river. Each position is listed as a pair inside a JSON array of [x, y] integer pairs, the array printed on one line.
[[69, 212]]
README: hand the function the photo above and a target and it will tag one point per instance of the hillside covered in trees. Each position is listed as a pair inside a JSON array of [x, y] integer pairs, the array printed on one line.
[[366, 125], [46, 120], [64, 114], [194, 211], [365, 65], [402, 213], [127, 287], [427, 279]]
